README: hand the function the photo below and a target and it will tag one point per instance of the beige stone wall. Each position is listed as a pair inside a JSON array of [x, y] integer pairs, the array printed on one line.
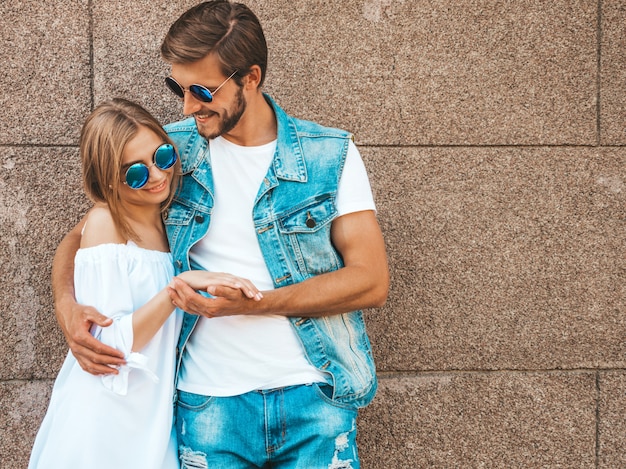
[[494, 135]]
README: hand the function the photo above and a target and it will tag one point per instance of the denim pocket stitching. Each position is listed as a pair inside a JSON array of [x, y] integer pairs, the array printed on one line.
[[332, 402], [205, 401]]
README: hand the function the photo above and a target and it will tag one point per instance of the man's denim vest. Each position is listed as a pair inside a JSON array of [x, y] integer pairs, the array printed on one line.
[[292, 214]]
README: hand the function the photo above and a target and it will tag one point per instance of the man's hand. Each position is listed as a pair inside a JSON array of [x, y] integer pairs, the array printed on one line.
[[226, 301], [92, 355], [363, 282]]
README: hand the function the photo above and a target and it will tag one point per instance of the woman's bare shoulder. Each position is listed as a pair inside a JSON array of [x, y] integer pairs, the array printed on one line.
[[100, 228]]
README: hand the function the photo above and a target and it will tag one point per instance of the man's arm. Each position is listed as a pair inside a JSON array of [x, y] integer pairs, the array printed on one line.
[[76, 320], [362, 283]]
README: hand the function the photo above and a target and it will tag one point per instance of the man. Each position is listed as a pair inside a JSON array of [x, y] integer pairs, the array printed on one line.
[[274, 382]]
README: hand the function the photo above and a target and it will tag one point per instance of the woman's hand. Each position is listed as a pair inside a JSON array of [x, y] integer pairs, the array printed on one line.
[[229, 294], [210, 281]]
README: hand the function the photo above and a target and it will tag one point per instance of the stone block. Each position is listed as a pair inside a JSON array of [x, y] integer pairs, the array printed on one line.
[[22, 408], [45, 71], [406, 73], [41, 198], [611, 422], [501, 258], [468, 72], [498, 420], [126, 49], [613, 73]]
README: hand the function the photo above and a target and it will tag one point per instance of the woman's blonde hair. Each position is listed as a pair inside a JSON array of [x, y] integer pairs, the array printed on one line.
[[103, 138]]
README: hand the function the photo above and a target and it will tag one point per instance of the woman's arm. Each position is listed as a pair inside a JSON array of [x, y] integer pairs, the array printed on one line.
[[149, 318], [99, 228], [76, 320]]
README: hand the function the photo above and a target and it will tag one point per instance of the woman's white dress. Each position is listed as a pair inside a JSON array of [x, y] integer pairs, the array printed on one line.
[[122, 421]]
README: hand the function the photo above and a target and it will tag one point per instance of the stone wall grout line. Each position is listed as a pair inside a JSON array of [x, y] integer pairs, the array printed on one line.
[[599, 74], [92, 97], [434, 373], [613, 146], [598, 394], [461, 146]]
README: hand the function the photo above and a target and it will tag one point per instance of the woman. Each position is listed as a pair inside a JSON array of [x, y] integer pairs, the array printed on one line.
[[130, 171]]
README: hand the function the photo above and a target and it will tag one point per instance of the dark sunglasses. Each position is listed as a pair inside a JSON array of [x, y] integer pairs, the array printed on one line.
[[137, 175], [201, 93]]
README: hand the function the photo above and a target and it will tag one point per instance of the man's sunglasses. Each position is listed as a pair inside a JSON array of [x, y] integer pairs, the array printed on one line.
[[201, 93], [137, 175]]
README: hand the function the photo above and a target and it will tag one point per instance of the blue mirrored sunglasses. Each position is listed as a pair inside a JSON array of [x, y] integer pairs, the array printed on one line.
[[137, 175], [201, 93]]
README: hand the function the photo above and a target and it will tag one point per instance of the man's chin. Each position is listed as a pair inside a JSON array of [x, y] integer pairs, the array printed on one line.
[[205, 131]]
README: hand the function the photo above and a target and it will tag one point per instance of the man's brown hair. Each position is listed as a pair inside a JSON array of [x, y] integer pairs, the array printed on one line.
[[229, 30]]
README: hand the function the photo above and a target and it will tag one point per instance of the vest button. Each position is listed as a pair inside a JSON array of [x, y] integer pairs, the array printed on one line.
[[199, 218], [310, 223]]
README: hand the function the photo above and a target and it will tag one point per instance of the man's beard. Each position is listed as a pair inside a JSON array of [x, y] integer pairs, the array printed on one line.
[[231, 118]]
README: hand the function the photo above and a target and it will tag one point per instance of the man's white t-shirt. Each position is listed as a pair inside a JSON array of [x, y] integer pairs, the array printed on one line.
[[232, 355]]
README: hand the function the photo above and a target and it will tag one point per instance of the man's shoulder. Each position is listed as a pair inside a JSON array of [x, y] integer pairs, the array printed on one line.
[[189, 143], [305, 127], [315, 129], [185, 125]]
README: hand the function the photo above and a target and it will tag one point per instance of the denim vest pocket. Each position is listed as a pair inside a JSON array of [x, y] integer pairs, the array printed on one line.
[[306, 233], [177, 222]]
